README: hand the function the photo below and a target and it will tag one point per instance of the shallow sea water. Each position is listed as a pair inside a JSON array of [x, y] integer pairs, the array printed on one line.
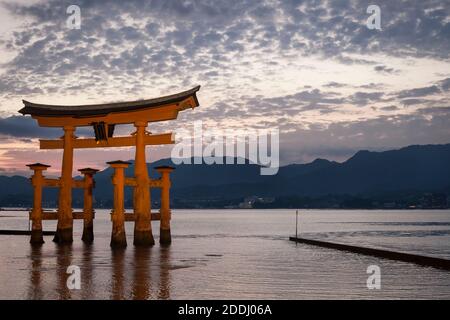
[[234, 254]]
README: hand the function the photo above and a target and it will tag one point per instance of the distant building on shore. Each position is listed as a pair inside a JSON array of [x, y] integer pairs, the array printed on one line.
[[434, 201], [249, 202]]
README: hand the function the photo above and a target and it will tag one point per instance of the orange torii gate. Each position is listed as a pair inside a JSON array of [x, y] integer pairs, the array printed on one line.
[[103, 118]]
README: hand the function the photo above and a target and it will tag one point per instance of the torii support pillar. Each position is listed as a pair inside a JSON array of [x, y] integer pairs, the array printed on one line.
[[64, 230], [143, 235], [165, 237], [37, 181], [88, 211], [118, 237]]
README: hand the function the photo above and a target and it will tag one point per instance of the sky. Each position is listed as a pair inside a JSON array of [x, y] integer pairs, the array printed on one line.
[[312, 69]]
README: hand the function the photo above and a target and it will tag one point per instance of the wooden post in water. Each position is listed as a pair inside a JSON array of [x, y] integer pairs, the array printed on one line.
[[64, 230], [118, 238], [143, 235], [296, 225], [164, 231], [88, 211], [37, 181]]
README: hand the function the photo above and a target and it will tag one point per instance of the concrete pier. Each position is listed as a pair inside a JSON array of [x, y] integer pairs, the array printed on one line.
[[26, 233], [379, 253]]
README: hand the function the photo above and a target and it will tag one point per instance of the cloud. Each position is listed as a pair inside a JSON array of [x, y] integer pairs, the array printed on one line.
[[304, 100], [339, 141], [26, 127], [445, 84], [137, 38], [410, 102], [390, 108], [258, 63], [419, 92], [363, 98], [385, 70], [334, 84]]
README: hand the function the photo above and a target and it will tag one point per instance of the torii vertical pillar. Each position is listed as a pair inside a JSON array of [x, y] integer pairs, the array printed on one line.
[[164, 231], [88, 211], [37, 181], [65, 219], [118, 237], [143, 235]]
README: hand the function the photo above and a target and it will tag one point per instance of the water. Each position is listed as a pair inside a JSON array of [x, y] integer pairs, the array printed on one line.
[[234, 254]]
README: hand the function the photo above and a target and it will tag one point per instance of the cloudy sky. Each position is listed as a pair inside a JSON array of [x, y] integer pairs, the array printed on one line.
[[310, 68]]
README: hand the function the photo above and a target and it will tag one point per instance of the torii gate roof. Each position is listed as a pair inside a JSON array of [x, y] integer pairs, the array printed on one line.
[[156, 109]]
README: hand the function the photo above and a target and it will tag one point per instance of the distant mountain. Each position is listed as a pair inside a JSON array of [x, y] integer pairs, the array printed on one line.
[[422, 168], [15, 185], [413, 169]]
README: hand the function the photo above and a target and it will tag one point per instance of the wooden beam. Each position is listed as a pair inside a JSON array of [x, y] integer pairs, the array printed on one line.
[[78, 184], [155, 183], [56, 183], [152, 183], [156, 216], [53, 215], [152, 139], [78, 215], [163, 113], [131, 216], [130, 182], [53, 183]]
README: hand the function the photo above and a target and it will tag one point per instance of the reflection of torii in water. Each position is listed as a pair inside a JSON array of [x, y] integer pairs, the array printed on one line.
[[143, 285], [103, 118]]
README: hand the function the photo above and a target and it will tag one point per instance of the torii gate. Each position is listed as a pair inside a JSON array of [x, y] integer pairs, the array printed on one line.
[[103, 118]]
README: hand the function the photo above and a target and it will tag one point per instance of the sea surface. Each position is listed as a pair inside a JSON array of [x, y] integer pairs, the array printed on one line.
[[234, 254]]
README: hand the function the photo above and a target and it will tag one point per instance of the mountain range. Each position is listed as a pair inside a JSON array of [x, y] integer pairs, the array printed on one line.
[[409, 172]]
